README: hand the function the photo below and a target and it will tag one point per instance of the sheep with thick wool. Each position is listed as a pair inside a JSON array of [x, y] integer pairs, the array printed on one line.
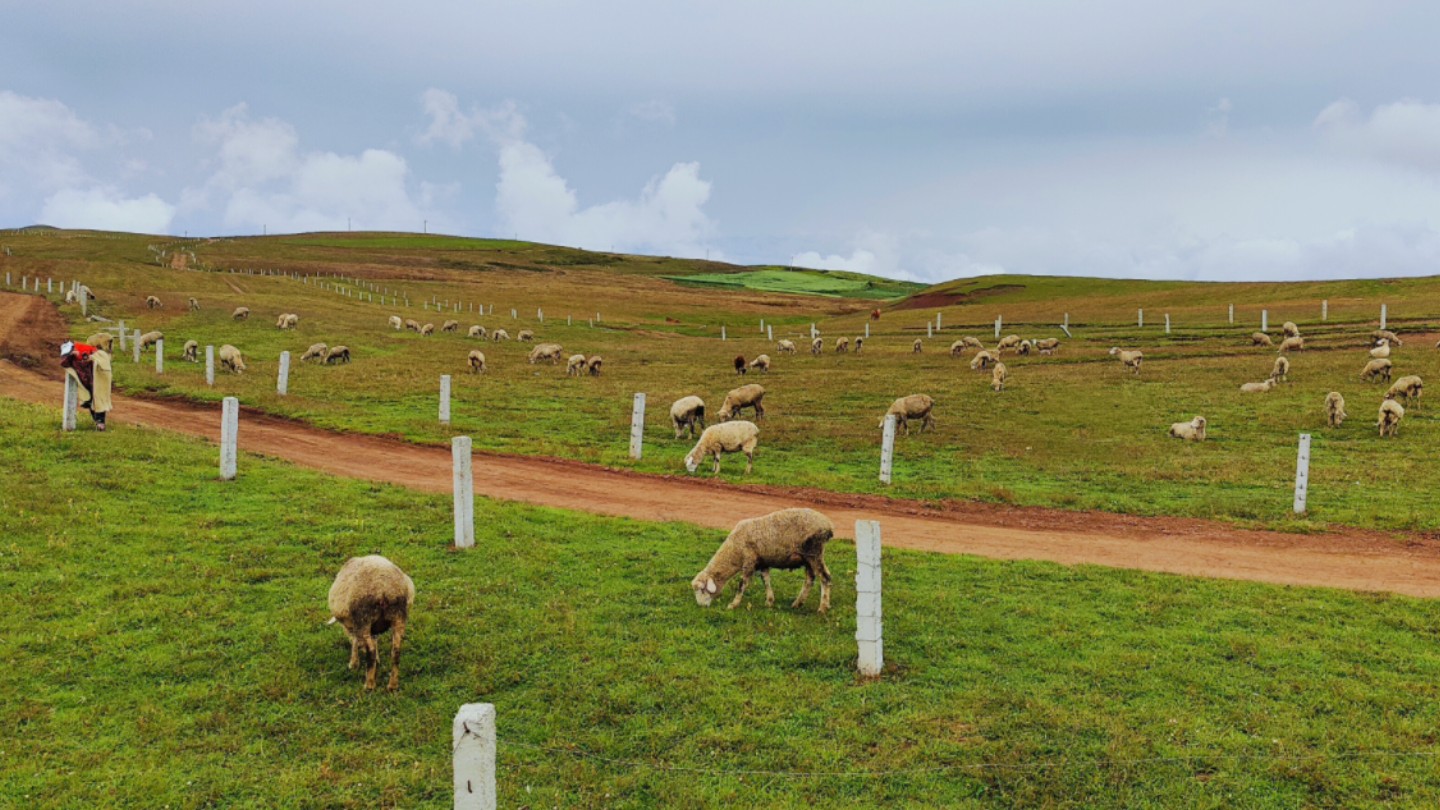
[[1261, 339], [1047, 346], [546, 351], [1258, 387], [369, 596], [687, 414], [525, 336], [232, 359], [761, 363], [746, 396], [240, 313], [1377, 368], [1387, 336], [150, 339], [914, 406], [957, 349], [427, 330], [194, 304], [1291, 344], [842, 344], [1024, 348], [575, 365], [917, 347], [1408, 388], [412, 325], [982, 360], [1290, 329], [395, 323], [1280, 372], [783, 540], [1192, 431], [1130, 359], [450, 326], [1382, 350], [817, 346], [151, 302], [1334, 409], [1390, 415], [476, 361], [726, 437], [499, 335], [594, 364], [316, 353], [336, 354], [785, 347], [1007, 342], [998, 377], [476, 331], [287, 320]]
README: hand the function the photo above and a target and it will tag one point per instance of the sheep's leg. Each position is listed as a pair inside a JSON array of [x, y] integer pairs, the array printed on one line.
[[354, 652], [750, 455], [716, 471], [929, 423], [397, 636], [824, 586], [759, 411], [745, 574], [769, 590], [805, 589]]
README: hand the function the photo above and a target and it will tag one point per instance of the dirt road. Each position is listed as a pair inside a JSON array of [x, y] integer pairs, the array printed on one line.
[[1352, 560]]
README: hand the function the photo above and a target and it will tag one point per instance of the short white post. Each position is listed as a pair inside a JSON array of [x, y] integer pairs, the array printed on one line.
[[938, 321], [282, 381], [868, 633], [136, 344], [1066, 322], [1140, 315], [72, 402], [209, 365], [540, 315], [7, 279], [812, 331], [472, 739], [997, 327], [762, 326], [513, 315], [568, 320], [444, 399], [84, 302], [229, 428], [929, 329], [1302, 474], [1264, 320], [770, 331], [1167, 323], [1383, 312], [1325, 310], [49, 285], [160, 356], [464, 479], [122, 336], [637, 426], [867, 330], [722, 331], [597, 317], [1232, 314], [1066, 329], [887, 449]]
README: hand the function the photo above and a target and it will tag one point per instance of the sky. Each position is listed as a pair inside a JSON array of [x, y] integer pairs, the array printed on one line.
[[921, 140]]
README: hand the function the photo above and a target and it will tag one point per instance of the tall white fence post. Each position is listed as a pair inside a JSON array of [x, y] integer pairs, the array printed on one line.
[[472, 739], [929, 329], [997, 327], [1325, 310], [209, 365], [722, 331], [123, 335], [1140, 318], [72, 403], [867, 330], [887, 449], [770, 332], [1302, 474], [637, 426], [1066, 322], [1264, 320], [868, 622], [464, 479], [136, 344], [444, 399], [540, 315], [1383, 313], [160, 356], [282, 380], [229, 430], [1232, 314], [84, 302], [1167, 323], [939, 320]]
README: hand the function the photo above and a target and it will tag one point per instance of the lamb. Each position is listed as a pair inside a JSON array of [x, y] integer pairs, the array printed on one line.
[[842, 344], [1291, 344], [337, 354], [525, 336], [1381, 351], [150, 339], [859, 344], [232, 359], [785, 347], [998, 377], [546, 351], [596, 361], [1388, 336], [427, 330], [1007, 342], [1260, 339], [191, 352], [729, 437], [1258, 388], [1130, 359], [1390, 415], [1047, 346], [1192, 431], [194, 304], [1290, 329], [915, 406], [450, 326], [1408, 388], [152, 302], [982, 360], [686, 413], [746, 396], [371, 595], [240, 313], [476, 361], [1379, 367], [499, 335], [783, 540], [1334, 409], [575, 365], [761, 363], [316, 352], [1281, 370], [739, 363], [412, 325], [396, 323], [476, 331], [917, 347], [817, 346]]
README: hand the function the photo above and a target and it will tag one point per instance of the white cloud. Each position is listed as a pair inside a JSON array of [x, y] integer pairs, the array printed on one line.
[[874, 253], [1218, 124], [652, 111], [1405, 132], [38, 139], [250, 151], [107, 209], [447, 122]]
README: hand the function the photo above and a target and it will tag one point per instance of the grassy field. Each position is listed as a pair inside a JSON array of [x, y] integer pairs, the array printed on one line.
[[808, 282], [1071, 431], [165, 646]]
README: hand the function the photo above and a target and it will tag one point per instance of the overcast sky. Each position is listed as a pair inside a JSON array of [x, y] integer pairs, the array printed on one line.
[[928, 140]]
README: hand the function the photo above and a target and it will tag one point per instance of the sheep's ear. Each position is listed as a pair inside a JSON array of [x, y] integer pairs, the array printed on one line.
[[710, 586]]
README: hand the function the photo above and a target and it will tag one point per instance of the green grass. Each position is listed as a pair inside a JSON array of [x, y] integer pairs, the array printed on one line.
[[806, 282], [165, 646]]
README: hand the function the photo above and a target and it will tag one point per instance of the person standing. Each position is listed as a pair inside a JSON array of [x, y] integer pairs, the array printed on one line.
[[89, 364]]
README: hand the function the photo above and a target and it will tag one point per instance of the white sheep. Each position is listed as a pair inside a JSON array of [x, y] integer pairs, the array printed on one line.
[[1291, 344], [998, 377], [761, 363], [859, 344], [1047, 345], [1388, 336], [412, 325], [499, 335], [150, 339], [1408, 388], [982, 360], [240, 313], [1130, 359], [783, 540], [915, 406], [1192, 431], [746, 396], [396, 323], [315, 352], [1024, 348], [1258, 387], [957, 349], [191, 352], [476, 361], [287, 320], [727, 437], [1378, 367], [1007, 342], [427, 330], [785, 347], [594, 364], [917, 347], [525, 336], [546, 351], [1381, 350], [450, 326], [1334, 409], [151, 302], [842, 344], [575, 365], [336, 354], [369, 596], [687, 413], [817, 346], [476, 331], [1390, 415], [194, 304], [232, 359], [1281, 370], [1290, 329], [1260, 339]]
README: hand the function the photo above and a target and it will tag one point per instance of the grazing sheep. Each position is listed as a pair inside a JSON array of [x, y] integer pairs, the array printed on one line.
[[785, 347], [476, 361], [372, 595], [1047, 345], [1291, 344], [686, 413], [412, 325], [1408, 388], [396, 323], [1381, 351], [575, 365], [842, 345], [240, 313], [915, 406], [1007, 342], [729, 437], [761, 363], [1192, 431], [1281, 370], [1024, 348], [315, 352], [1290, 329], [817, 346], [1334, 409], [784, 540], [337, 354], [1388, 336], [287, 320], [194, 304], [596, 361], [191, 351], [546, 351], [1390, 415], [1261, 339], [149, 339], [917, 347], [152, 302], [859, 344], [1379, 367], [427, 330], [746, 396], [739, 363], [499, 335], [525, 336], [998, 377], [1258, 388], [982, 360], [957, 348], [476, 331], [102, 340], [232, 359], [450, 326], [1130, 359]]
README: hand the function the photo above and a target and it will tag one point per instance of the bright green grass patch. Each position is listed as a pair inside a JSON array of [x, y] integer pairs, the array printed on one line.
[[805, 282], [165, 646]]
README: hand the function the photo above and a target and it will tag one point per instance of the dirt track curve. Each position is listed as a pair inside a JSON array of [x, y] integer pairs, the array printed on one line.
[[1365, 561]]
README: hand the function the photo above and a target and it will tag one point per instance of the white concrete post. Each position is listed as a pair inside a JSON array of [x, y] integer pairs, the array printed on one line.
[[597, 318], [72, 403], [722, 331], [1140, 315], [637, 426], [209, 365], [1066, 329], [1167, 323], [1264, 320], [938, 321], [49, 285], [997, 327], [540, 315], [929, 329], [464, 480], [1066, 322], [1383, 313], [770, 332], [868, 634], [569, 320], [84, 302], [1232, 314], [122, 336], [513, 315], [135, 346], [282, 380], [1325, 310], [7, 279], [229, 428], [887, 449], [812, 331], [472, 739], [444, 399], [1302, 474], [160, 356], [762, 326]]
